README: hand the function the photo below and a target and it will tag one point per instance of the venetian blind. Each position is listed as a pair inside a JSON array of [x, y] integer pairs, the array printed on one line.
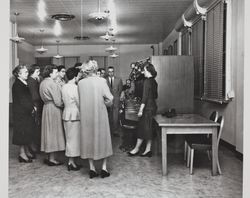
[[198, 54], [214, 82], [185, 42], [175, 48], [170, 50]]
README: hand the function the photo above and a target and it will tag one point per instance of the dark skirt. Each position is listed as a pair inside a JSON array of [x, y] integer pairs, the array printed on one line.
[[145, 125], [23, 129]]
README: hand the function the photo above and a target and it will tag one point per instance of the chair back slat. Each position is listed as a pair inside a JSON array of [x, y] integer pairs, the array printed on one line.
[[221, 122], [214, 116]]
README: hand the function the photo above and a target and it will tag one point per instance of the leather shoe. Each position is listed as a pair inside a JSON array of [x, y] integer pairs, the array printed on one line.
[[132, 154], [20, 159], [93, 174], [148, 154], [49, 163], [71, 167], [33, 156], [104, 174]]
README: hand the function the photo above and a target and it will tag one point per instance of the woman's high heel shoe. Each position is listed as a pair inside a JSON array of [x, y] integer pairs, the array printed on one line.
[[104, 174], [32, 157], [49, 163], [71, 167], [148, 154], [93, 174], [132, 154], [20, 159]]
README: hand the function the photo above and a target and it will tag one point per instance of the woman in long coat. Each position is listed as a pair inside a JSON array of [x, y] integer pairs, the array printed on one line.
[[22, 113], [95, 131], [33, 84], [52, 135], [147, 111]]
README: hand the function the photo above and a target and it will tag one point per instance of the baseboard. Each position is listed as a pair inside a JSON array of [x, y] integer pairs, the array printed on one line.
[[232, 148]]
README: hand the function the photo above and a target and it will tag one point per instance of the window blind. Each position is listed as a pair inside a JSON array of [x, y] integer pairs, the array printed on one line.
[[170, 50], [184, 42], [175, 48], [197, 37], [214, 82]]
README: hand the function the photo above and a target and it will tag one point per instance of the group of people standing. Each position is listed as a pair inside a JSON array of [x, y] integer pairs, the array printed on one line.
[[78, 116]]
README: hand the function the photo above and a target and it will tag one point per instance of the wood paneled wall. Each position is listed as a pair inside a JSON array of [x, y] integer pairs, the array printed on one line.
[[175, 77]]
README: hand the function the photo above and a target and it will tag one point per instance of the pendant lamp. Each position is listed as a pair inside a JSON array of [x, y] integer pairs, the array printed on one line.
[[16, 38]]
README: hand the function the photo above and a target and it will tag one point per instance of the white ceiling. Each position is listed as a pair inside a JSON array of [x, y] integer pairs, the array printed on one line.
[[138, 21]]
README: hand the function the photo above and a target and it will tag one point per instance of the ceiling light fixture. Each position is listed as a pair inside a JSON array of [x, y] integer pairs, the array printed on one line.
[[41, 50], [114, 55], [99, 15], [107, 36], [57, 56], [111, 49], [63, 17], [16, 38]]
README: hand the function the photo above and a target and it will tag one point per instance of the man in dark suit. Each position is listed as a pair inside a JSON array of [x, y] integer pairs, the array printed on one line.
[[115, 85]]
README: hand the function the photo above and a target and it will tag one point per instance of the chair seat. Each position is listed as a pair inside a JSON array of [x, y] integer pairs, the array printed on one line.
[[129, 124], [200, 142]]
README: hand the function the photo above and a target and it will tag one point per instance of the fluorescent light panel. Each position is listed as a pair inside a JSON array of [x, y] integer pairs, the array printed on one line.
[[112, 16], [41, 13], [57, 28]]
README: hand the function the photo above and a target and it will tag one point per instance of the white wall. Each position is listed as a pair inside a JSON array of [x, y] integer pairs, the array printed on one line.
[[127, 54], [26, 53]]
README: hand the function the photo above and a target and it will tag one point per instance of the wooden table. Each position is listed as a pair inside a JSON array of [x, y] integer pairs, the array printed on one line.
[[187, 124]]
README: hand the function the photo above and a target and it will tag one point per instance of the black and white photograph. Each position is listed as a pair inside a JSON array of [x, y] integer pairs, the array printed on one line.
[[125, 98]]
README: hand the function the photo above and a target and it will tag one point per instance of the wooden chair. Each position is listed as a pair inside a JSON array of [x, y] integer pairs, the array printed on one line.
[[214, 117], [203, 143]]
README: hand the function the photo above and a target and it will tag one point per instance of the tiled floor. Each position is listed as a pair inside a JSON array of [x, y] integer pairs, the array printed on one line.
[[130, 177]]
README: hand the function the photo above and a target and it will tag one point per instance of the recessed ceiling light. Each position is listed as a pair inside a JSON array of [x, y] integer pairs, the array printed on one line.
[[81, 38], [63, 17]]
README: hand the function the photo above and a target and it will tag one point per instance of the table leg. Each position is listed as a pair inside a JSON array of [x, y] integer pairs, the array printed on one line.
[[214, 152], [164, 151]]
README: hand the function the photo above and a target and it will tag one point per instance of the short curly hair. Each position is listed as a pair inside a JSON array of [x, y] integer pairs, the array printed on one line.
[[17, 69], [90, 66], [48, 70]]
